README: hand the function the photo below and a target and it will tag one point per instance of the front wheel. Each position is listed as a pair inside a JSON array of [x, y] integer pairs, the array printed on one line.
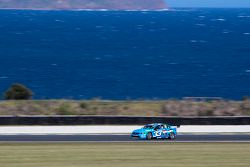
[[172, 136], [149, 136]]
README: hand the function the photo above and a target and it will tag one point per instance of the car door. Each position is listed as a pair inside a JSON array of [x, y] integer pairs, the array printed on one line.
[[165, 131], [158, 131]]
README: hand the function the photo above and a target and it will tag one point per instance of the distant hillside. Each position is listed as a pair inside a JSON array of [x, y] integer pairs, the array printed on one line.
[[84, 4]]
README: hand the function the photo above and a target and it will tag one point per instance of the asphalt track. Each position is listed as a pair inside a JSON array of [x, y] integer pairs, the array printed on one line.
[[123, 138]]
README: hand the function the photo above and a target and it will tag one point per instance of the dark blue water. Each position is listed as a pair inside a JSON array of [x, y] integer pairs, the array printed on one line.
[[120, 55]]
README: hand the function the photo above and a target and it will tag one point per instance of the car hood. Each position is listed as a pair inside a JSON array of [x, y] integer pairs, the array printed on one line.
[[141, 130]]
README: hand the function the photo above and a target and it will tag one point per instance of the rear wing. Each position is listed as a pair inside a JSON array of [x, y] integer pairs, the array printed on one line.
[[177, 126]]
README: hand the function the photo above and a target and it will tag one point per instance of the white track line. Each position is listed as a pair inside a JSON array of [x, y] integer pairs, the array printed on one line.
[[167, 142], [38, 130]]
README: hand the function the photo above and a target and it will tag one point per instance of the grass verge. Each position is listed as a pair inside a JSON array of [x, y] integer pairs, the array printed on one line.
[[131, 108], [124, 154]]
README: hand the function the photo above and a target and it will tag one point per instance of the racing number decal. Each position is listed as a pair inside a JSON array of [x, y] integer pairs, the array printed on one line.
[[158, 133]]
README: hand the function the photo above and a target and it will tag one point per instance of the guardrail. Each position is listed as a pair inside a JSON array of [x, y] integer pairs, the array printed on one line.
[[120, 120]]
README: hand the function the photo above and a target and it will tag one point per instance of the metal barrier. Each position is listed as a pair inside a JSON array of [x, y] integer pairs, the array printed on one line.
[[120, 120]]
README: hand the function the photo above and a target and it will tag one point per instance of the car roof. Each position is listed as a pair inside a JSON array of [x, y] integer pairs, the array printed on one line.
[[156, 124]]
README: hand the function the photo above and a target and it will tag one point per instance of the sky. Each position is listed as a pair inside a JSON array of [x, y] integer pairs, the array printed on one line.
[[209, 3]]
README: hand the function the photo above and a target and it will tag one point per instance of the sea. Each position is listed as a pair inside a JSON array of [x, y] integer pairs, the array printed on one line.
[[127, 55]]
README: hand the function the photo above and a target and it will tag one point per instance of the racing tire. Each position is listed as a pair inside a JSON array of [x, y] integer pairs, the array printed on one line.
[[149, 136], [172, 136]]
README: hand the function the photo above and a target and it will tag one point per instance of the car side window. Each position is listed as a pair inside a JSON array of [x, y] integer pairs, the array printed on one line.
[[157, 127]]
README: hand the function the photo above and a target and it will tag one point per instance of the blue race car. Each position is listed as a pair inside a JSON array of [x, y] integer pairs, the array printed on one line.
[[155, 131]]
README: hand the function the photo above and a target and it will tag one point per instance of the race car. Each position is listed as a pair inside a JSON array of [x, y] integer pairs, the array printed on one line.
[[155, 131]]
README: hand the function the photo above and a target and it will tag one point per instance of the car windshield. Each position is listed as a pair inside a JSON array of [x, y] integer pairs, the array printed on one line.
[[148, 127]]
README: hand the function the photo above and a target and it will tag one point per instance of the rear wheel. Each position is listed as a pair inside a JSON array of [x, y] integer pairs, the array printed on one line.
[[172, 136], [149, 136]]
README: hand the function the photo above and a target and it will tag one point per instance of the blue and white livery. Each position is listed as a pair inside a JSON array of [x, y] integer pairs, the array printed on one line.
[[155, 131]]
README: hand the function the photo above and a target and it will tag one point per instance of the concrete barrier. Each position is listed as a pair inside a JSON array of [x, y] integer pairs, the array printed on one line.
[[120, 120]]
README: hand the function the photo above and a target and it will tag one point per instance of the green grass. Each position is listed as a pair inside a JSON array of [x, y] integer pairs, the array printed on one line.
[[125, 155]]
